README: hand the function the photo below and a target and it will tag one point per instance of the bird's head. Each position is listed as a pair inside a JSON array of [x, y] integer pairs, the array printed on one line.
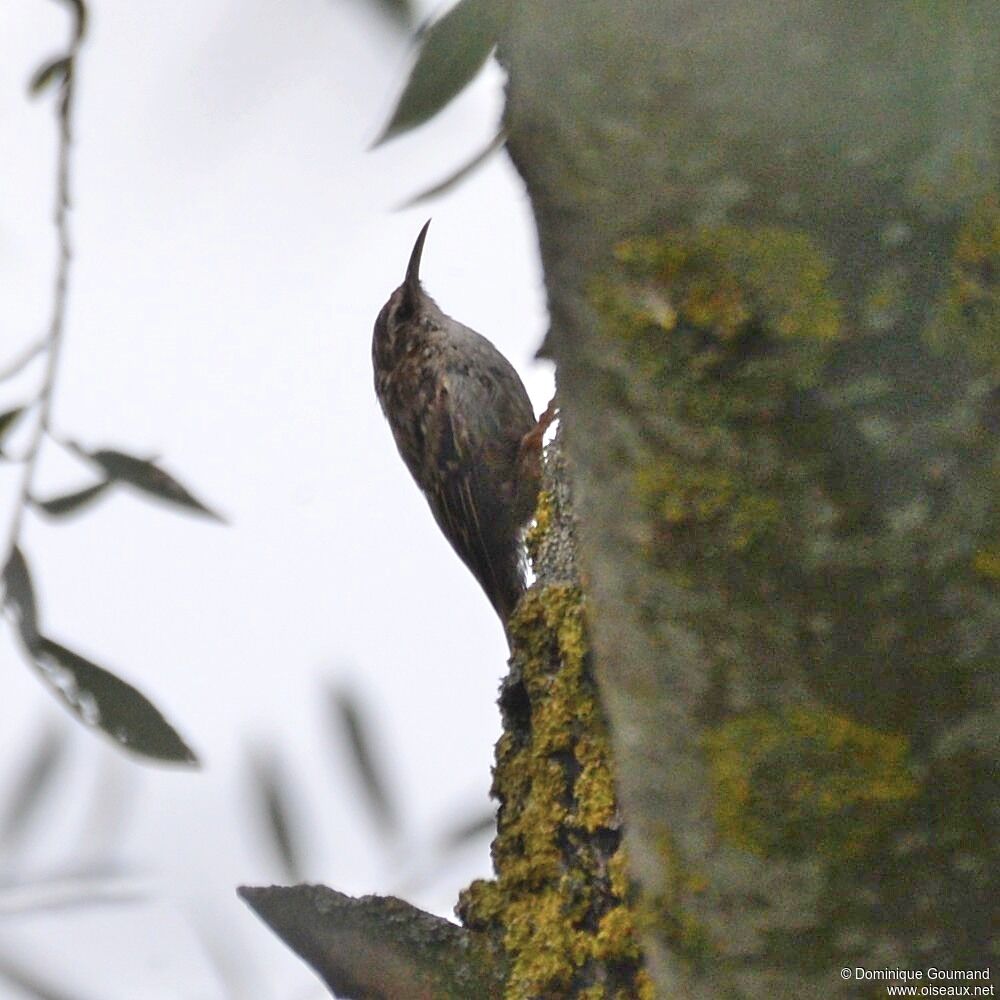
[[405, 306]]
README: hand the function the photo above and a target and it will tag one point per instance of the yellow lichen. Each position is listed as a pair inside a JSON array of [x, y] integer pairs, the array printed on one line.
[[616, 937], [560, 911], [618, 874], [790, 782], [986, 562], [718, 279], [542, 943], [968, 318], [645, 988], [540, 526], [483, 896], [594, 789], [725, 327], [685, 494]]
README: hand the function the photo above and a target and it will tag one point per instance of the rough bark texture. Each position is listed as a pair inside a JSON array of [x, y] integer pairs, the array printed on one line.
[[378, 947], [559, 908], [771, 239]]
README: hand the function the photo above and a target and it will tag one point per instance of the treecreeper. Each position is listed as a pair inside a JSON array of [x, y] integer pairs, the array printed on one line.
[[465, 428]]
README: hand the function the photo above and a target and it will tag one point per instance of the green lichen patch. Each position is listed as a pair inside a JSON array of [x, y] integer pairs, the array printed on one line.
[[986, 562], [790, 783], [755, 303], [725, 329], [558, 905], [968, 319], [682, 494], [726, 283]]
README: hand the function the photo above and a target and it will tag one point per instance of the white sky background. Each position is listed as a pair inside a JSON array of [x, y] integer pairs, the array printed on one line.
[[233, 243]]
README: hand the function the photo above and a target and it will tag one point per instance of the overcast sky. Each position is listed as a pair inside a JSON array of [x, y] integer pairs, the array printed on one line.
[[233, 243]]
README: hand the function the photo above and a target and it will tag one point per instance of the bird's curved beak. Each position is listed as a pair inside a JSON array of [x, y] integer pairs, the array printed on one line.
[[412, 281]]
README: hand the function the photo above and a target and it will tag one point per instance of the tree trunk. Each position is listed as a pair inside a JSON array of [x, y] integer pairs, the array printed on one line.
[[771, 240]]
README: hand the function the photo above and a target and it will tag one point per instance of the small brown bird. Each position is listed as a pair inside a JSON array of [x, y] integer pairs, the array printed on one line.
[[465, 428]]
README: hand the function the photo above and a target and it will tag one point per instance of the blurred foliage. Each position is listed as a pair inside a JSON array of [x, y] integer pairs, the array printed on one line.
[[453, 49], [7, 421], [272, 791], [364, 753], [48, 74], [460, 174], [360, 740], [30, 982], [399, 12], [95, 695], [67, 883], [40, 768], [451, 52]]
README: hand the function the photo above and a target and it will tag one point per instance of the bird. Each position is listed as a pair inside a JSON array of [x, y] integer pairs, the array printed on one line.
[[466, 430]]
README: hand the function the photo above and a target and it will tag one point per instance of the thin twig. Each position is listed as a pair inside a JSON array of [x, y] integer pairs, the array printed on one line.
[[54, 338]]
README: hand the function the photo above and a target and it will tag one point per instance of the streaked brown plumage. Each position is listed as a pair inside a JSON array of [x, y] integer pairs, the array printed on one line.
[[465, 428]]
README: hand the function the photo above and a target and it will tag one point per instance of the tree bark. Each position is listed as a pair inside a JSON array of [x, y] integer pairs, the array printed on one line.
[[560, 907], [771, 241]]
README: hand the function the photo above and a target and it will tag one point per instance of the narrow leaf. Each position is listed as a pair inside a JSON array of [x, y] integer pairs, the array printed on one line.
[[19, 598], [400, 12], [271, 785], [471, 829], [72, 888], [34, 779], [8, 419], [452, 51], [47, 74], [456, 178], [104, 701], [350, 719], [150, 478], [71, 502]]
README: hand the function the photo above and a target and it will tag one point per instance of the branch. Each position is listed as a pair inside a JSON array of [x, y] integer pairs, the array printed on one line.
[[52, 343], [377, 947]]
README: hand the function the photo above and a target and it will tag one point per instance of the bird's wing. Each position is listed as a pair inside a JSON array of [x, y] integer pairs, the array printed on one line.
[[468, 493]]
